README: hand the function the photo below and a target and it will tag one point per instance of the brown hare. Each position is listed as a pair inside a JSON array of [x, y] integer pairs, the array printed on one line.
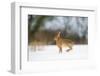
[[60, 42]]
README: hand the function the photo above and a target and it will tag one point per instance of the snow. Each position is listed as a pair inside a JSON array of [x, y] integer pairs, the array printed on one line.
[[51, 52]]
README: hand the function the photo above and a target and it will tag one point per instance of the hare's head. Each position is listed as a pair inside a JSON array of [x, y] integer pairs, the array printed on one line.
[[57, 36]]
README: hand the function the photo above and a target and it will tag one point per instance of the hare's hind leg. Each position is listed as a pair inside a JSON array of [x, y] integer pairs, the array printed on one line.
[[70, 48]]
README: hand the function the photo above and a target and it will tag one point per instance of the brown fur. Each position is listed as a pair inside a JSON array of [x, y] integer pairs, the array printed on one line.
[[60, 42]]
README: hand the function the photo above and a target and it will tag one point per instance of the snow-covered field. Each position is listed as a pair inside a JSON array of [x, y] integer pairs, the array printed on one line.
[[51, 52]]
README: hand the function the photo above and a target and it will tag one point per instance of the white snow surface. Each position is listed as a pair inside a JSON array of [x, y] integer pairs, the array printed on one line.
[[51, 52]]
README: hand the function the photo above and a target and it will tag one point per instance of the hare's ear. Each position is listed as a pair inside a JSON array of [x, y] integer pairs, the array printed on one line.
[[59, 33]]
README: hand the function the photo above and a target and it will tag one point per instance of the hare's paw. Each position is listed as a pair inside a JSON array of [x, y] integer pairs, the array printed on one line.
[[69, 50]]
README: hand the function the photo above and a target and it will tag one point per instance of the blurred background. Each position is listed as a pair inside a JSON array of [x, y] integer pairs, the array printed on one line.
[[42, 29]]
